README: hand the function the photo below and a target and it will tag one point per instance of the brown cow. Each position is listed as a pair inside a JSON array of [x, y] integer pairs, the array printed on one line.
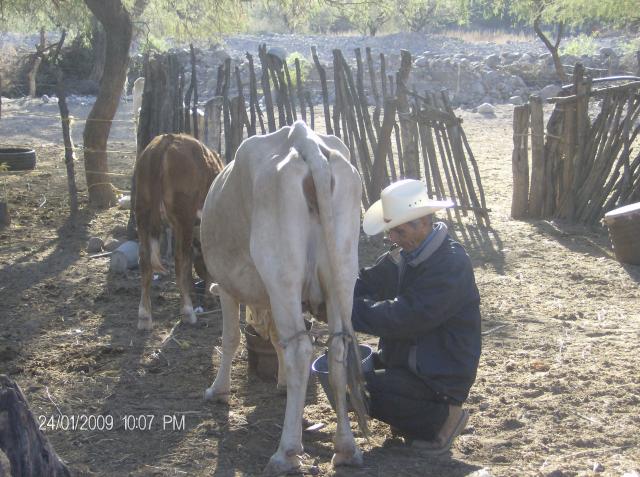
[[172, 177]]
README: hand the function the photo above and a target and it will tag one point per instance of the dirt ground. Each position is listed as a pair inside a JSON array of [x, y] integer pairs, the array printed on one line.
[[557, 392]]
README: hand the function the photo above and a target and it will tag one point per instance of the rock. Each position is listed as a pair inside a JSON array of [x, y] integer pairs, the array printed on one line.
[[554, 473], [111, 244], [516, 100], [492, 61], [124, 202], [94, 245], [550, 91], [527, 58], [607, 52], [477, 88], [598, 467], [484, 472], [486, 108], [421, 62]]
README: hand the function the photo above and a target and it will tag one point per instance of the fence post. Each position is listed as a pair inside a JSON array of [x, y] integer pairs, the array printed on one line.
[[408, 126], [212, 125], [537, 192], [520, 162]]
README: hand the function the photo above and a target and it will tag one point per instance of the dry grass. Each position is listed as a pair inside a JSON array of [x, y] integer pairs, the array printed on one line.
[[498, 37]]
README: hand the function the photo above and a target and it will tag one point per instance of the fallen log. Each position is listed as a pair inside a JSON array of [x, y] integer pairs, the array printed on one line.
[[28, 450]]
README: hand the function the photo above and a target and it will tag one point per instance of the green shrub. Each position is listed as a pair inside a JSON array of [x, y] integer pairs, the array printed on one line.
[[580, 45], [305, 67], [630, 47]]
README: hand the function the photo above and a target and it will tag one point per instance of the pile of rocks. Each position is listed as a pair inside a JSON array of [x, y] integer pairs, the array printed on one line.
[[473, 73]]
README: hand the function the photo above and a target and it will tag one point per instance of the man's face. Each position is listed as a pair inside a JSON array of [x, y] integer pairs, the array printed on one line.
[[410, 235]]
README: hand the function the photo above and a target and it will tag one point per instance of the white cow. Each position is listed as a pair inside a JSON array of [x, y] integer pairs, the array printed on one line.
[[280, 229], [136, 91]]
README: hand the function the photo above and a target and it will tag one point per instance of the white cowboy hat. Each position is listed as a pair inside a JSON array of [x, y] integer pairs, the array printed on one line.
[[399, 203]]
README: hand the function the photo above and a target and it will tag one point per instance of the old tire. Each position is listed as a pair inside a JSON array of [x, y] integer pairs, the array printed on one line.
[[18, 158]]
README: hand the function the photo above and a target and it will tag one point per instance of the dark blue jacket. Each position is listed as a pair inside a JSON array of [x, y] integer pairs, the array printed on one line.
[[432, 305]]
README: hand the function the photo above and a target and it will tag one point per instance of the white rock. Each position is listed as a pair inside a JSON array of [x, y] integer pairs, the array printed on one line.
[[124, 202], [516, 100], [550, 91], [526, 58], [486, 108], [484, 472]]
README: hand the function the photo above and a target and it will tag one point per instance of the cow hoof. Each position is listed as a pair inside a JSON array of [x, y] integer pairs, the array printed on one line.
[[278, 466], [352, 459], [145, 323], [211, 395], [191, 320]]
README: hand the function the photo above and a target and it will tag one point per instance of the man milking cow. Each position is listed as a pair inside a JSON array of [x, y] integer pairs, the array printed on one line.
[[421, 300]]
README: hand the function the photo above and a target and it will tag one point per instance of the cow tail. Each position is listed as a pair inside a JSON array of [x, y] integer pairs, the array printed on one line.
[[149, 199], [322, 177]]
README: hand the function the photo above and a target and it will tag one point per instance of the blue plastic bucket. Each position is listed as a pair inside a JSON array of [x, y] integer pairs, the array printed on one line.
[[320, 368]]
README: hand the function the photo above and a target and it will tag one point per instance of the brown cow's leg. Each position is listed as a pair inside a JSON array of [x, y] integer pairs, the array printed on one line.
[[184, 234], [146, 272]]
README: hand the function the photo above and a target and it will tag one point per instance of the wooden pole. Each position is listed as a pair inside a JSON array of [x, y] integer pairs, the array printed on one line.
[[374, 90], [383, 76], [254, 106], [325, 93], [338, 104], [226, 113], [194, 83], [380, 178], [69, 158], [311, 112], [237, 125], [301, 98], [290, 95], [266, 87], [520, 162], [537, 191], [408, 126], [212, 125]]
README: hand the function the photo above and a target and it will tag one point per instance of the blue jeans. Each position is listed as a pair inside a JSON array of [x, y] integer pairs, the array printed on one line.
[[402, 400]]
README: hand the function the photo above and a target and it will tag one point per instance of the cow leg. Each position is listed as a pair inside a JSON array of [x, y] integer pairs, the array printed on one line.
[[346, 450], [146, 272], [282, 370], [219, 390], [297, 353], [184, 265]]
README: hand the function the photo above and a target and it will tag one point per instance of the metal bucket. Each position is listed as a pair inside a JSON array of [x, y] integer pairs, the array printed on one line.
[[320, 368], [262, 356], [124, 257], [624, 231]]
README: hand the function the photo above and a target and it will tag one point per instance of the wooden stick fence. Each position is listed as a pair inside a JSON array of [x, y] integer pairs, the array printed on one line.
[[582, 167], [401, 135]]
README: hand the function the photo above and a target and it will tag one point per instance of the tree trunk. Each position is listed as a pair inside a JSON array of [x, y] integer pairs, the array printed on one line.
[[35, 65], [98, 45], [118, 31], [553, 48], [27, 449]]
